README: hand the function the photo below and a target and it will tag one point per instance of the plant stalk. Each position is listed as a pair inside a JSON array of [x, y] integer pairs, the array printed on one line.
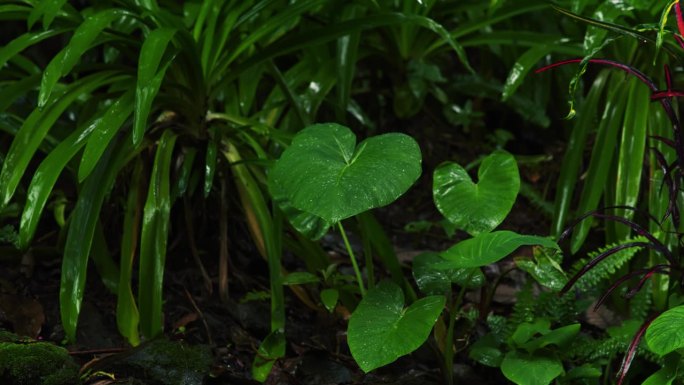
[[359, 278]]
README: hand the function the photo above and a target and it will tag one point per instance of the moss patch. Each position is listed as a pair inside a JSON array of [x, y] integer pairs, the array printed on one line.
[[29, 363]]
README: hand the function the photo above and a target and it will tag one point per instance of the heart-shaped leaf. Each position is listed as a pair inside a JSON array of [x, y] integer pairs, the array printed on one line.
[[665, 334], [488, 248], [477, 207], [527, 369], [324, 173], [382, 330], [311, 226]]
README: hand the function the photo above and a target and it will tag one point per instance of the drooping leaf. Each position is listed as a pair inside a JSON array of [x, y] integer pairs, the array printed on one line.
[[382, 330], [150, 77], [665, 333], [522, 66], [103, 131], [68, 57], [489, 248], [477, 207], [329, 298], [325, 173], [526, 369]]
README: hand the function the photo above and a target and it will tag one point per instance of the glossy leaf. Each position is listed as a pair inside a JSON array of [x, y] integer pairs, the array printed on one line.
[[150, 77], [127, 315], [667, 373], [522, 66], [489, 248], [270, 349], [35, 128], [48, 9], [477, 207], [103, 130], [189, 155], [599, 164], [24, 41], [155, 229], [560, 337], [486, 351], [665, 333], [68, 57], [526, 369], [382, 330], [44, 180], [324, 173], [431, 280], [544, 268], [631, 155], [79, 238], [574, 154], [329, 298]]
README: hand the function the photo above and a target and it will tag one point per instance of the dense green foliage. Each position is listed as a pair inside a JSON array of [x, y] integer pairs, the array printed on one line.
[[148, 118]]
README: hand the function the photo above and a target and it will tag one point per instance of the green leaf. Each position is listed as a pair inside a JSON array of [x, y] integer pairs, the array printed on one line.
[[150, 77], [382, 330], [526, 330], [103, 130], [329, 298], [489, 248], [560, 337], [431, 280], [665, 334], [311, 226], [68, 57], [48, 9], [477, 207], [155, 229], [486, 351], [82, 224], [300, 278], [24, 41], [127, 315], [525, 369], [324, 173], [545, 269], [44, 180], [271, 348], [35, 128], [667, 373], [522, 66]]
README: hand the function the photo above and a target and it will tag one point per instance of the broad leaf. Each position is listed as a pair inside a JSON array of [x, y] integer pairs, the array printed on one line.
[[325, 173], [545, 268], [477, 207], [431, 280], [526, 369], [665, 334], [382, 330], [489, 248]]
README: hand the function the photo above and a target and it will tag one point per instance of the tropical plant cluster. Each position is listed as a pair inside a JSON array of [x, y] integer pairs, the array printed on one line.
[[132, 129]]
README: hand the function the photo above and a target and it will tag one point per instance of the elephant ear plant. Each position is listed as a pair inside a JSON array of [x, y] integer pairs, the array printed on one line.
[[324, 178]]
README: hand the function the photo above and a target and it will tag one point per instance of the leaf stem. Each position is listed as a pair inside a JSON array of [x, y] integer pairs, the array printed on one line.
[[359, 279], [449, 346]]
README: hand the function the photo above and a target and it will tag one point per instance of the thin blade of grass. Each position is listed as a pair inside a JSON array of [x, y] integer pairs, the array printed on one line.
[[24, 41], [47, 9]]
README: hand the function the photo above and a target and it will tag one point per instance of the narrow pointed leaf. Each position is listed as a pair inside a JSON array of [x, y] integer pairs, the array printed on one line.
[[150, 77], [35, 128], [155, 229], [68, 57], [522, 67], [24, 41], [47, 9], [105, 127]]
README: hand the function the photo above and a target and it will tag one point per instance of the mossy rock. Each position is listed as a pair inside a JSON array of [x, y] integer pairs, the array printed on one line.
[[34, 363], [163, 362]]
